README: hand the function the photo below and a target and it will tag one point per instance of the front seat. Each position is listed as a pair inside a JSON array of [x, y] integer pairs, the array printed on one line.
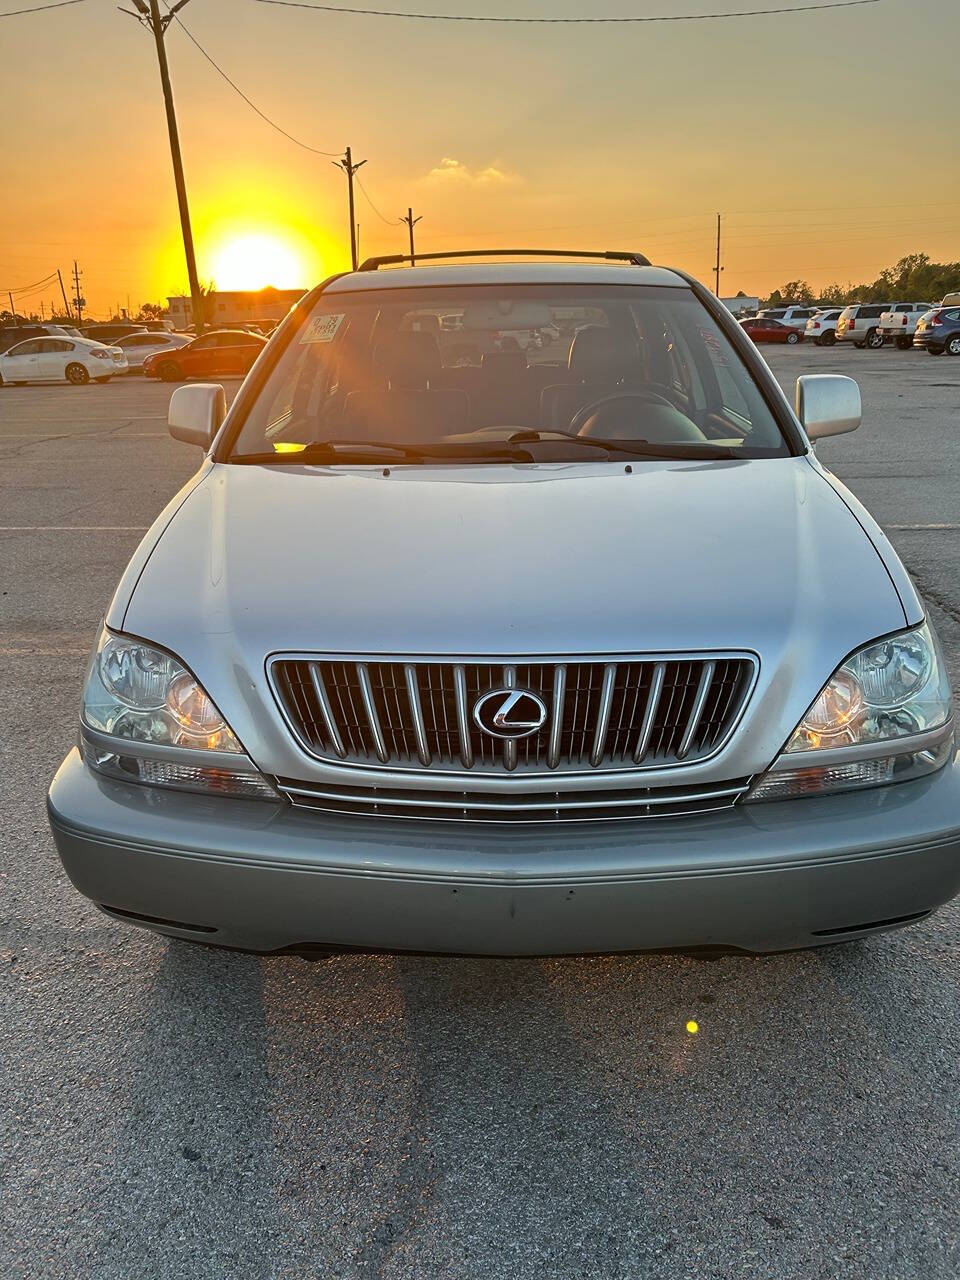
[[600, 361], [413, 409]]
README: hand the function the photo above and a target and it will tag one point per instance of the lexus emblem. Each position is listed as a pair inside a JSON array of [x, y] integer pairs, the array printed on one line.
[[510, 713]]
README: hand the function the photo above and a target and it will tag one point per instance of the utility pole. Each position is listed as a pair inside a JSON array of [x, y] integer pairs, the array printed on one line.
[[717, 269], [79, 300], [411, 222], [66, 304], [150, 16], [13, 314], [349, 168]]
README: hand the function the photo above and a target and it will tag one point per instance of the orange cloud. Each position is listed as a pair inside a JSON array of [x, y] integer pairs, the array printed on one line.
[[451, 171]]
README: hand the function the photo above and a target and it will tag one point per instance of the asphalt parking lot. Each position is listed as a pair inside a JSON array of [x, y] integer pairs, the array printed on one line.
[[177, 1112]]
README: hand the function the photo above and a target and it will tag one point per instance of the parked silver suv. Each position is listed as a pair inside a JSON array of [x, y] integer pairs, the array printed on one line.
[[452, 646]]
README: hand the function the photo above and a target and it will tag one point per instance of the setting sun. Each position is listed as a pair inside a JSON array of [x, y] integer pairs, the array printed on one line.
[[255, 261]]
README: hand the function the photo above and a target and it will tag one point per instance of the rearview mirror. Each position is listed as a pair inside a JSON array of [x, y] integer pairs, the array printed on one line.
[[196, 412], [828, 404]]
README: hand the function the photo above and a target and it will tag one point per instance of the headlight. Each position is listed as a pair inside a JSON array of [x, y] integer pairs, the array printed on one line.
[[885, 715], [100, 355], [146, 718]]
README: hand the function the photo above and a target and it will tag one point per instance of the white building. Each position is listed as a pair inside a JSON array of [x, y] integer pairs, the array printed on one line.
[[741, 304], [241, 307]]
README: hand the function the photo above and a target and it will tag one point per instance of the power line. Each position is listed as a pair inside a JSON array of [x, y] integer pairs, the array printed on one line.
[[391, 222], [252, 105], [28, 288], [39, 8], [483, 17]]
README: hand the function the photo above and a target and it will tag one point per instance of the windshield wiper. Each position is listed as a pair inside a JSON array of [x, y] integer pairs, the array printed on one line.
[[634, 448], [376, 451]]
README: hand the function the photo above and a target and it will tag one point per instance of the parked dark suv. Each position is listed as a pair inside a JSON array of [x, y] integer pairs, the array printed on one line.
[[939, 331], [13, 334]]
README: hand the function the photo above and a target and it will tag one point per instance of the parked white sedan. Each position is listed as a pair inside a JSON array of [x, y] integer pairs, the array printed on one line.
[[76, 360], [137, 346]]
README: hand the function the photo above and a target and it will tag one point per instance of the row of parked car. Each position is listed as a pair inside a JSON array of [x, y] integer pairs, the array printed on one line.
[[62, 353], [924, 325]]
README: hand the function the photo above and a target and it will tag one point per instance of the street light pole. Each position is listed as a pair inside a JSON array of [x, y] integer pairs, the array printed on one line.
[[151, 17]]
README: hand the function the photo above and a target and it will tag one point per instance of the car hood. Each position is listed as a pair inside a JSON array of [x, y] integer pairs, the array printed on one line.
[[761, 556]]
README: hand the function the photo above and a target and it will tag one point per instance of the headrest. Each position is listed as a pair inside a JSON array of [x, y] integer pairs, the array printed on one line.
[[408, 360], [504, 364], [598, 354]]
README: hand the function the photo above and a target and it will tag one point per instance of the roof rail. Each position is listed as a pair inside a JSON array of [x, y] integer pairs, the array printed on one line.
[[610, 255]]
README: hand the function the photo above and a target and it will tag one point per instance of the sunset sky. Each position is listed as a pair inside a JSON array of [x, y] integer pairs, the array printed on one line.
[[583, 136]]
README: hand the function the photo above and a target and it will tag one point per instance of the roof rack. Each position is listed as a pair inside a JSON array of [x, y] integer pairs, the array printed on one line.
[[610, 255]]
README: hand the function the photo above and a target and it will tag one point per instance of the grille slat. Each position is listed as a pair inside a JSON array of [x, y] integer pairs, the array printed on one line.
[[602, 716]]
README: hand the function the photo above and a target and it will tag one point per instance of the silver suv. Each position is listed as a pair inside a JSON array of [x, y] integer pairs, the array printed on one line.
[[860, 324], [457, 647]]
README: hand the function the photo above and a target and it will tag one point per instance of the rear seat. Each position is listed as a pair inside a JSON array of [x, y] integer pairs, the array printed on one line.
[[413, 408], [504, 390]]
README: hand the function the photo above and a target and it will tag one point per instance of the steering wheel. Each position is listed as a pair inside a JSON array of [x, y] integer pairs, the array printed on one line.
[[583, 416]]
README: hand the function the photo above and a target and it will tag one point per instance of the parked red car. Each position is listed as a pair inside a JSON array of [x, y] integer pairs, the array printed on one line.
[[227, 353], [760, 329]]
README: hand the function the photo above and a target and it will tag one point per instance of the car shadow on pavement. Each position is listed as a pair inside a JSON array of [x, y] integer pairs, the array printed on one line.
[[189, 1192], [564, 1121]]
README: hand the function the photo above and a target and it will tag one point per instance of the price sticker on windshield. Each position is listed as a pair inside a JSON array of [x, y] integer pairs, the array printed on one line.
[[322, 329]]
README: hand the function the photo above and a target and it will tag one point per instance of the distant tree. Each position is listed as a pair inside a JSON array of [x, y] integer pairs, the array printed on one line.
[[152, 311], [833, 295], [793, 291]]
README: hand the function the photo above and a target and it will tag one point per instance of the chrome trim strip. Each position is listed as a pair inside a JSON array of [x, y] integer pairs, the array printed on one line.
[[320, 689], [788, 761], [649, 715], [603, 715], [696, 713], [510, 744], [232, 761], [373, 798], [419, 728], [556, 725], [366, 691], [463, 719]]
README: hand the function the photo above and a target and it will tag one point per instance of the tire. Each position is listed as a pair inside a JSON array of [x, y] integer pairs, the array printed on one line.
[[934, 351], [859, 345], [828, 338], [170, 371], [76, 375], [904, 344], [953, 346], [793, 338], [874, 339]]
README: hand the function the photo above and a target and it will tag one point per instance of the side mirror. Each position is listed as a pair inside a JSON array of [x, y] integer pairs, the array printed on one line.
[[196, 412], [828, 404]]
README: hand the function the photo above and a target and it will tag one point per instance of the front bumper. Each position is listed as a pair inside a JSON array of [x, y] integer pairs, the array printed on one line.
[[264, 877]]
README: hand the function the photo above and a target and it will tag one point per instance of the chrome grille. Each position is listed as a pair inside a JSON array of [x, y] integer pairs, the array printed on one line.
[[602, 715], [514, 807]]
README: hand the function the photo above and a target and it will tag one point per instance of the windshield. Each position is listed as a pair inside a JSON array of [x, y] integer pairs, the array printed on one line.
[[504, 372]]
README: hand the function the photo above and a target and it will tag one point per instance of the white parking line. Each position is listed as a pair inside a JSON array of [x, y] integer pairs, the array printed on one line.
[[74, 528], [923, 526]]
